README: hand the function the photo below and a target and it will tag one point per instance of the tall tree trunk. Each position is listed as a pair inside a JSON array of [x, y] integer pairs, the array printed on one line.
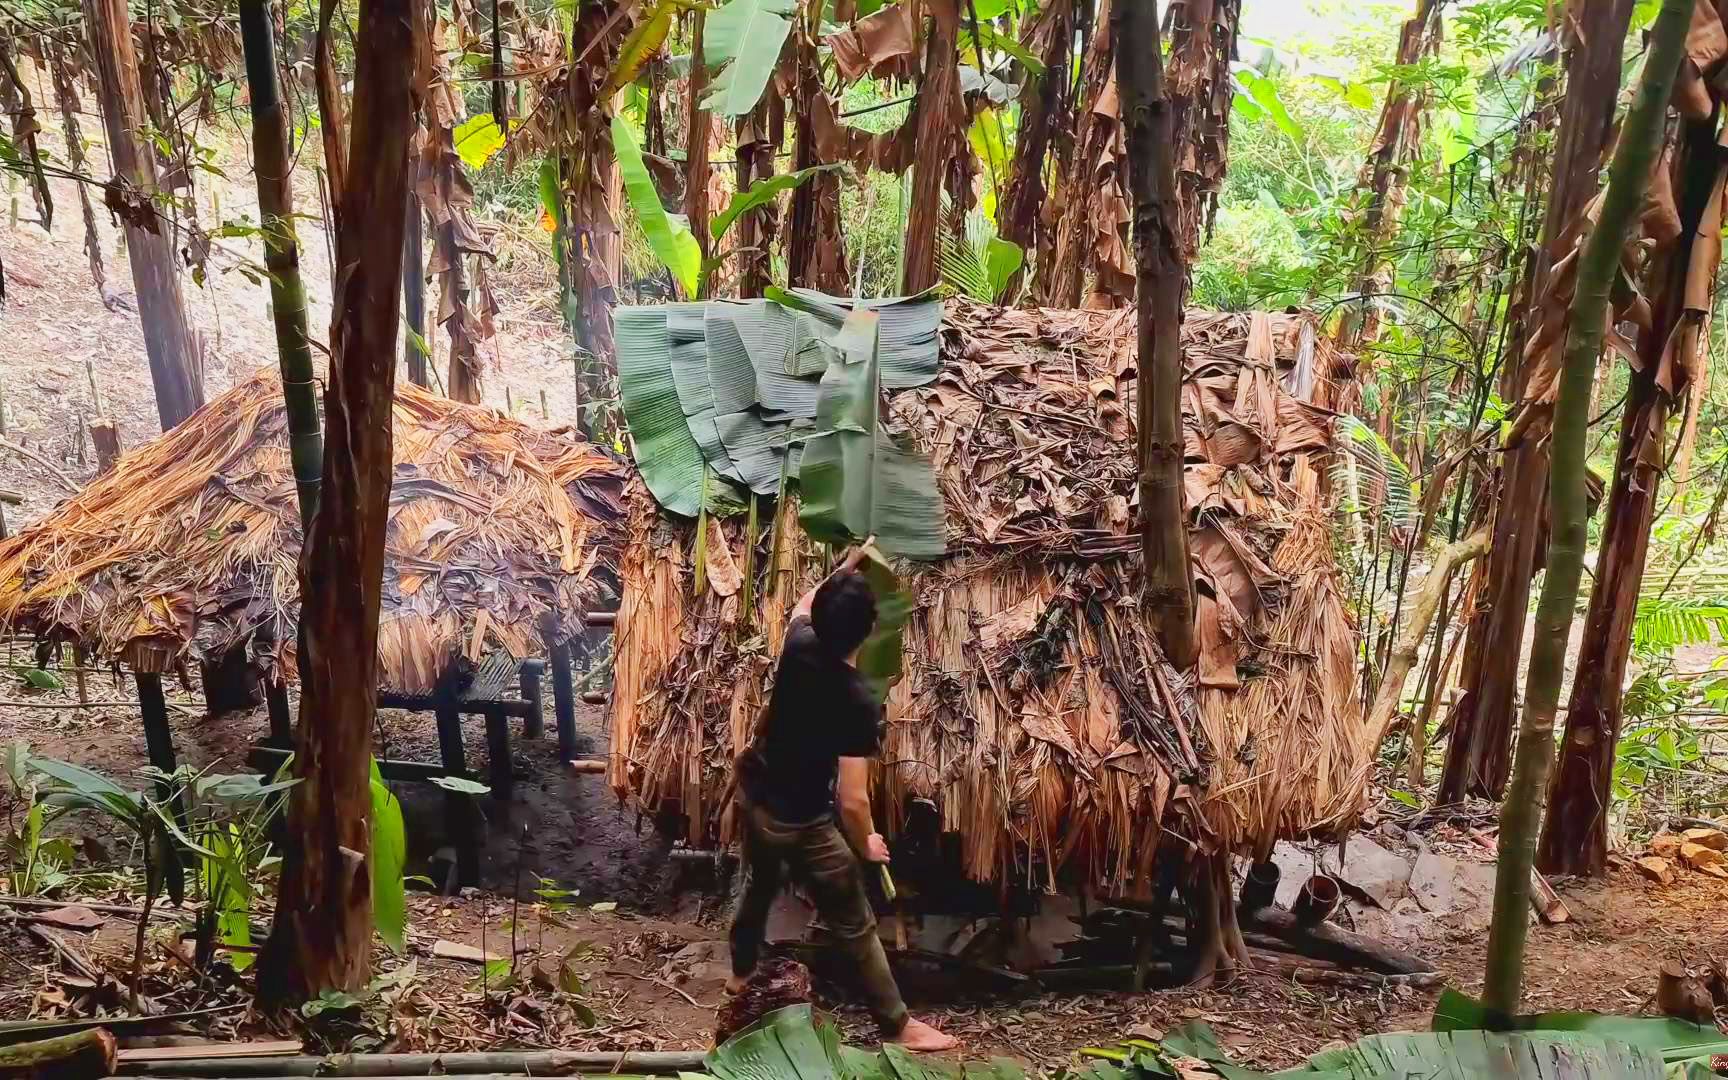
[[940, 114], [1202, 45], [1049, 34], [270, 163], [1385, 176], [322, 933], [24, 132], [66, 92], [1091, 231], [1679, 283], [176, 371], [1160, 276], [1478, 754], [1520, 817]]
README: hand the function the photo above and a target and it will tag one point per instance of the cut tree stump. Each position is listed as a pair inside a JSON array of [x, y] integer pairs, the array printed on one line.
[[1680, 995], [86, 1055], [105, 440]]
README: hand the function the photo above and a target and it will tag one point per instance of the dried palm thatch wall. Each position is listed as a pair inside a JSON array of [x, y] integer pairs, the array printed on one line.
[[189, 546], [1037, 711]]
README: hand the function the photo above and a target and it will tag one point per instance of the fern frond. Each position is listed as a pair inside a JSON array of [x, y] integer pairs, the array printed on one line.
[[1664, 624], [1383, 484]]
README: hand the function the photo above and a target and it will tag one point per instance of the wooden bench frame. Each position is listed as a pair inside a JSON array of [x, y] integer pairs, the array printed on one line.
[[460, 812]]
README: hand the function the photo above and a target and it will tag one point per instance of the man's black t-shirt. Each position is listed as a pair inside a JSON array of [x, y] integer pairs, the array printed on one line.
[[820, 711]]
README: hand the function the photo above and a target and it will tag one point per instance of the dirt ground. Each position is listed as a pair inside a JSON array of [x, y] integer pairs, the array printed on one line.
[[652, 967]]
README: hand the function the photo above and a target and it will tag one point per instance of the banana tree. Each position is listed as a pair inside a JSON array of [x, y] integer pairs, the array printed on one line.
[[669, 234]]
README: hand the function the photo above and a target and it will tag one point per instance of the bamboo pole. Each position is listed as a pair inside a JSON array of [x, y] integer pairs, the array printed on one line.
[[511, 1063], [282, 254], [1521, 816]]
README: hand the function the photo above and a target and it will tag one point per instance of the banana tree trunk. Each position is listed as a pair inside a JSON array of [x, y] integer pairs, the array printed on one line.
[[169, 342], [1520, 817], [815, 243], [66, 94], [1202, 45], [24, 132], [1385, 177], [1160, 281], [696, 143], [1478, 757], [940, 110], [758, 138], [321, 936], [1682, 278], [1049, 34], [1091, 238], [415, 345], [270, 163]]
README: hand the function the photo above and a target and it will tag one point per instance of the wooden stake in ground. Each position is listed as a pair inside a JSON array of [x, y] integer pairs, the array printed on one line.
[[1159, 277], [1521, 816], [322, 933], [176, 369]]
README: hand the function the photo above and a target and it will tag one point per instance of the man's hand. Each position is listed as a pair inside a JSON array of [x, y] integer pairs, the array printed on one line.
[[855, 557], [875, 848]]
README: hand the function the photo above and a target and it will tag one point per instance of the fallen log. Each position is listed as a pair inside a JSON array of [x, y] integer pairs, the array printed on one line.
[[1274, 929], [84, 1055], [13, 1032], [386, 1066], [1327, 941], [166, 914]]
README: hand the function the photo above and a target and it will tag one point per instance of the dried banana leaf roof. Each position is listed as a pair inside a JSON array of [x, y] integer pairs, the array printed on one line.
[[1038, 713], [189, 546]]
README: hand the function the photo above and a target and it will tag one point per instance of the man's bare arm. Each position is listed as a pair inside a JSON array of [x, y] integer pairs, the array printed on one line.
[[853, 791]]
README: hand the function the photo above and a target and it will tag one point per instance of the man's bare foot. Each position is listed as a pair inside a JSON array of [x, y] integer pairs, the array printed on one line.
[[921, 1038], [736, 984]]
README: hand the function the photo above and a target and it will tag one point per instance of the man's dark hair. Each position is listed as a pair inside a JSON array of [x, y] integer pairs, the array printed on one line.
[[843, 613]]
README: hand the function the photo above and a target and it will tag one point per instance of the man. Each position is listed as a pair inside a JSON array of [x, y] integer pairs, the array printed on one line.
[[811, 757]]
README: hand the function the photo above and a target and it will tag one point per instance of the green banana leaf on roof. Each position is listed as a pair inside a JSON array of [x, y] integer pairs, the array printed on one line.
[[759, 386]]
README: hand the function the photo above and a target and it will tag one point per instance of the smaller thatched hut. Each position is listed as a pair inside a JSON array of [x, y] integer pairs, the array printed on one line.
[[187, 550], [1038, 721]]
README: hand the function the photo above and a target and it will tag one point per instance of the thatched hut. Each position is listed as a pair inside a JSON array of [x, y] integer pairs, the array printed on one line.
[[187, 549], [1038, 722]]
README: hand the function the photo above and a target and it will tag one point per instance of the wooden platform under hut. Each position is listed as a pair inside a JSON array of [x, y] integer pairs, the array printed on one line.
[[502, 535], [1039, 741]]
